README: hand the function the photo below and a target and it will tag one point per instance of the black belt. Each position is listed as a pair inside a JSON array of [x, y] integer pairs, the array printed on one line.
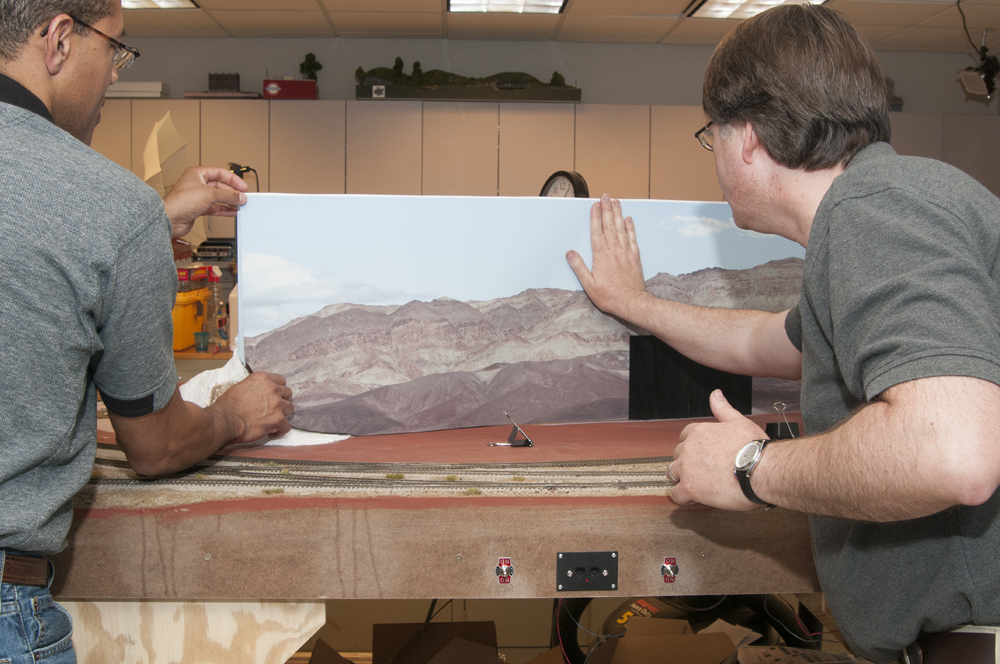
[[953, 648], [25, 571]]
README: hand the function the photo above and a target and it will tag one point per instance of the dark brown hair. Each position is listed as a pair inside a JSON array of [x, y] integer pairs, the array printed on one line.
[[20, 18], [806, 80]]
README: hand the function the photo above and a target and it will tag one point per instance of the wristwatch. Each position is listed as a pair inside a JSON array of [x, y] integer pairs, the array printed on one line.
[[746, 461]]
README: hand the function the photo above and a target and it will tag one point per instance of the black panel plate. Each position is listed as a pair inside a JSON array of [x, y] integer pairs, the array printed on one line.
[[584, 570]]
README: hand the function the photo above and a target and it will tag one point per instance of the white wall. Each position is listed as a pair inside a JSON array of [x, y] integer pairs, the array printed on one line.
[[608, 73]]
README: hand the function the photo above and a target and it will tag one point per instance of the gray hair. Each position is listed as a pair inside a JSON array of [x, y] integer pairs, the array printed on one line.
[[20, 18]]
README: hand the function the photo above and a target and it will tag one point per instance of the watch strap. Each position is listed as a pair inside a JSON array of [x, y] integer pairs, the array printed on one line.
[[743, 477]]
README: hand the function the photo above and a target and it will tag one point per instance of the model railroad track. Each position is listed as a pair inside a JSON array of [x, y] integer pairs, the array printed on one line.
[[228, 471]]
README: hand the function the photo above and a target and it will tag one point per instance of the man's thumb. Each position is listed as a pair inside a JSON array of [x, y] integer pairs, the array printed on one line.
[[721, 408]]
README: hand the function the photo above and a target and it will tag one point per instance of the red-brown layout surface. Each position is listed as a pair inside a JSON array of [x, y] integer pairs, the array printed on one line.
[[367, 546], [553, 442]]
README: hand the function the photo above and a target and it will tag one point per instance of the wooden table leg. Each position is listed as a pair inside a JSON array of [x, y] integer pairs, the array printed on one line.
[[144, 632]]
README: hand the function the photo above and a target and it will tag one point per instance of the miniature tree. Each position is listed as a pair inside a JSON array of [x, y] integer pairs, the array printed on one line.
[[310, 66], [397, 70], [557, 79], [359, 75], [418, 74]]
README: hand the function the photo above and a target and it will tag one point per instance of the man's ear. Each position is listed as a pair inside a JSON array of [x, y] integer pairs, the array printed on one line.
[[751, 143], [56, 43]]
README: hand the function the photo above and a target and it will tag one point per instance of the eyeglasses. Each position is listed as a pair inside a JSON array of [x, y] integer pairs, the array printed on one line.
[[124, 55], [704, 138]]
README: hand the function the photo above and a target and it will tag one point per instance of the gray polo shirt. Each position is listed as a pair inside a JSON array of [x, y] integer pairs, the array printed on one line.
[[901, 282], [87, 283]]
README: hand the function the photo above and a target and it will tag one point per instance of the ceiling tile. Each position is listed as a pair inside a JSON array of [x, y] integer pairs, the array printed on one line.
[[402, 6], [173, 23], [977, 17], [615, 29], [867, 12], [701, 31], [502, 26], [273, 23], [288, 5], [626, 7], [926, 39], [384, 24], [876, 33]]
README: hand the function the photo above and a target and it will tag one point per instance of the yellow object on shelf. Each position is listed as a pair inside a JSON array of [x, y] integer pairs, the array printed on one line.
[[189, 316]]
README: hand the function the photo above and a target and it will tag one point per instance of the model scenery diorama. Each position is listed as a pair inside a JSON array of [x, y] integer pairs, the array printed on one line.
[[435, 84]]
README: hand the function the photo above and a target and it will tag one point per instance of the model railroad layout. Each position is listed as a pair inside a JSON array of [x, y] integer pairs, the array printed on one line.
[[241, 476]]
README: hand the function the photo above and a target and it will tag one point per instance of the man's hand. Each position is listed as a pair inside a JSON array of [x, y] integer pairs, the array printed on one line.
[[203, 191], [704, 459], [615, 285], [261, 405], [181, 433]]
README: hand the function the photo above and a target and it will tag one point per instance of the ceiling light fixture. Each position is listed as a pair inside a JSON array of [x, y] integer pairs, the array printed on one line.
[[159, 4], [979, 81], [508, 6], [741, 9]]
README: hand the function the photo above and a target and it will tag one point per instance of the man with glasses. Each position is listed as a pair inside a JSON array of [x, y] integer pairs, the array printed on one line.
[[86, 290], [896, 338]]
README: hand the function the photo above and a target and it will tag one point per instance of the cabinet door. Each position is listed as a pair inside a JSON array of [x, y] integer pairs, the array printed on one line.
[[307, 146], [184, 113], [679, 167], [918, 134], [460, 148], [536, 140], [113, 135], [972, 143], [612, 149], [383, 147], [235, 131]]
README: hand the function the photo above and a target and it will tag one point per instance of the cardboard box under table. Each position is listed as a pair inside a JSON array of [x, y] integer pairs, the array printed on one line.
[[426, 536]]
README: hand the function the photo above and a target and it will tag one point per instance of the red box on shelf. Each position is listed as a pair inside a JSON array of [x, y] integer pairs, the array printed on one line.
[[290, 89]]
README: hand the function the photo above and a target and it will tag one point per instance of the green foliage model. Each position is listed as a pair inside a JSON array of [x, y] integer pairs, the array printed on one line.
[[310, 66]]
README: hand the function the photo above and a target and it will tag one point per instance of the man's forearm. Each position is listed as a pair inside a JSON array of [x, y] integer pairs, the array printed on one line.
[[927, 445], [185, 434], [739, 341], [181, 433]]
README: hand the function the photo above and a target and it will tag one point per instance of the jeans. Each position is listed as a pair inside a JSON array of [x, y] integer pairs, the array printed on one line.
[[33, 627]]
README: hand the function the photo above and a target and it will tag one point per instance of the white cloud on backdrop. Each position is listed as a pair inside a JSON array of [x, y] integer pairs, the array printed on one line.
[[283, 291], [690, 227]]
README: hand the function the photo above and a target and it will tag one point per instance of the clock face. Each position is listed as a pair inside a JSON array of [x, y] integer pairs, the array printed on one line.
[[560, 187], [565, 184]]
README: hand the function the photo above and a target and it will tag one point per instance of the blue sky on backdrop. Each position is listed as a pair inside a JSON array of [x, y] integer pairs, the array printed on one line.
[[300, 253]]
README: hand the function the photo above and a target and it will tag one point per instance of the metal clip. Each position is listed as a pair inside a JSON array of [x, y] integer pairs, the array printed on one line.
[[512, 439]]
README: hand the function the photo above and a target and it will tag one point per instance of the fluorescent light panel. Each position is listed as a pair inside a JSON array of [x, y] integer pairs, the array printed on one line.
[[743, 8], [507, 6], [158, 4]]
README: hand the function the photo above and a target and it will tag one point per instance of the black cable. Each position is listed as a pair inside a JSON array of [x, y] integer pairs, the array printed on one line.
[[567, 625], [430, 611], [791, 632], [443, 607], [958, 4], [689, 608]]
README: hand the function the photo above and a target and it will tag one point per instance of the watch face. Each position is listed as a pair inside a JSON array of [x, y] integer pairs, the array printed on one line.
[[747, 455]]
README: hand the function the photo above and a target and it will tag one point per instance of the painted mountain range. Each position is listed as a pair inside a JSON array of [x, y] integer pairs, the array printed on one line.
[[543, 355]]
